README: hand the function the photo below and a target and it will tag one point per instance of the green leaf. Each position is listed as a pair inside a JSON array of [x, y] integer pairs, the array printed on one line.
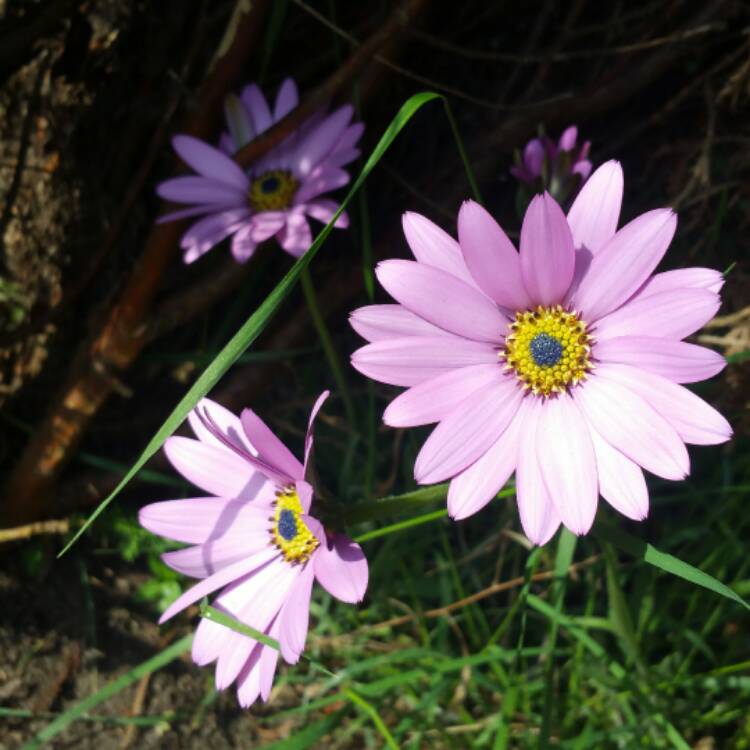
[[81, 709], [255, 324], [308, 736], [666, 562]]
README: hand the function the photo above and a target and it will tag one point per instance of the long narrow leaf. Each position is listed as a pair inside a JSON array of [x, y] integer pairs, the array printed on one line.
[[666, 562]]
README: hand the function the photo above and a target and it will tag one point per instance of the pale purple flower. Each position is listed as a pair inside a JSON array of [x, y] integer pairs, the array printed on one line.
[[561, 362], [559, 167], [253, 538], [277, 194]]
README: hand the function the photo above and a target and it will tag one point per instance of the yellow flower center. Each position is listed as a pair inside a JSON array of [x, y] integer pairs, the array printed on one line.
[[273, 191], [289, 532], [548, 348]]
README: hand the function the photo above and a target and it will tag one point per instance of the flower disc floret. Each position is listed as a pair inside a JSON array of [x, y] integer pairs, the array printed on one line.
[[273, 191], [548, 348], [289, 532]]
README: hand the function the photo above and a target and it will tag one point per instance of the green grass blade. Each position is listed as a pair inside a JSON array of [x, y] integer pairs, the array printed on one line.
[[666, 562], [80, 709], [255, 324], [401, 525], [371, 711]]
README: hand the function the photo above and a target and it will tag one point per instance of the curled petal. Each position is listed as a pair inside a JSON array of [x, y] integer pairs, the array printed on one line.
[[341, 568]]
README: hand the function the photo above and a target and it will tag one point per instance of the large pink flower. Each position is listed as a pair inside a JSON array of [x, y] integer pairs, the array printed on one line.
[[254, 539], [277, 194], [560, 362]]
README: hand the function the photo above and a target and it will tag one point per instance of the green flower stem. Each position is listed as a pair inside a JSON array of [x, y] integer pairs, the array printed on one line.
[[325, 339]]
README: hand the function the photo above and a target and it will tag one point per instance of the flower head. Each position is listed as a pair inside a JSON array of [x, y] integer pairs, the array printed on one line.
[[561, 362], [277, 194], [252, 538], [561, 168]]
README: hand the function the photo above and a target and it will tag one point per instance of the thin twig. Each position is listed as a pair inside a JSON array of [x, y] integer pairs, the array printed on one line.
[[495, 588], [34, 529]]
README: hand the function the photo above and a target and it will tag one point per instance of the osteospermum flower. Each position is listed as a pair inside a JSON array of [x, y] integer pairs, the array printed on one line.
[[277, 194], [253, 539], [561, 168], [561, 362]]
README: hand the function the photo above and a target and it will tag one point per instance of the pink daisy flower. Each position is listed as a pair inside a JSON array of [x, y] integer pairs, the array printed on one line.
[[252, 538], [561, 362], [558, 167], [277, 194]]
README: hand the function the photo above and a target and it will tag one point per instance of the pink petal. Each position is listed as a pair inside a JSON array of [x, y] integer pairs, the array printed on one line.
[[349, 137], [209, 161], [476, 486], [438, 397], [207, 558], [286, 100], [305, 494], [533, 157], [382, 322], [296, 236], [239, 122], [467, 432], [633, 427], [619, 269], [228, 423], [412, 360], [683, 278], [309, 434], [216, 470], [547, 253], [243, 246], [321, 180], [265, 224], [255, 601], [248, 681], [270, 449], [210, 231], [313, 149], [442, 299], [208, 641], [257, 106], [198, 519], [323, 210], [294, 617], [582, 168], [567, 462], [675, 360], [269, 658], [200, 190], [341, 569], [539, 518], [568, 139], [595, 212], [672, 315], [695, 421], [225, 576], [491, 257], [434, 247], [621, 482], [208, 208]]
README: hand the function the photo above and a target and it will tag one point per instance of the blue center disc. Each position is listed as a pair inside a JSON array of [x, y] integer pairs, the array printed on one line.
[[269, 185], [287, 525], [546, 350]]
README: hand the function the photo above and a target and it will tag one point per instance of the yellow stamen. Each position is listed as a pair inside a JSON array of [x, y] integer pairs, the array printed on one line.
[[273, 191], [549, 349], [289, 532]]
